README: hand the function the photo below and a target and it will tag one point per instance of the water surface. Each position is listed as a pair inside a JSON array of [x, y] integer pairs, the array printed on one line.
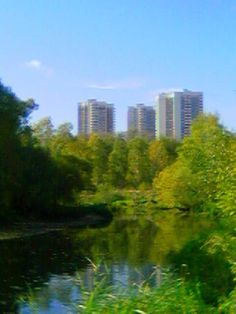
[[42, 273]]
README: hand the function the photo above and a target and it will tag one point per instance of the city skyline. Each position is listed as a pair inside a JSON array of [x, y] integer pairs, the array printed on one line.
[[171, 116], [125, 52]]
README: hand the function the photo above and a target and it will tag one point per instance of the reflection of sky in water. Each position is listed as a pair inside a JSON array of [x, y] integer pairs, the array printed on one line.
[[56, 296], [60, 292], [40, 271]]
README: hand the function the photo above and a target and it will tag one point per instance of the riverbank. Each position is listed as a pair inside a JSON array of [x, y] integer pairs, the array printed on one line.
[[93, 210], [24, 229], [90, 208], [88, 215]]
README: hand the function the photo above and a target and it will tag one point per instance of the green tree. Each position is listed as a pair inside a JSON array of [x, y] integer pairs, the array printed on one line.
[[59, 141], [207, 158], [139, 171], [80, 147], [162, 153], [34, 176], [14, 115], [177, 186], [226, 179], [100, 149], [43, 130], [37, 190], [206, 153], [117, 163], [65, 130]]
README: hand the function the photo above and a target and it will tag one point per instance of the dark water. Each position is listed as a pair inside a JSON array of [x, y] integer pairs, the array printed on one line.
[[42, 273]]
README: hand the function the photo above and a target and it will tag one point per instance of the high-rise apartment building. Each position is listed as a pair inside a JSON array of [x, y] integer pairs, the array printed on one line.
[[141, 119], [175, 112], [95, 117]]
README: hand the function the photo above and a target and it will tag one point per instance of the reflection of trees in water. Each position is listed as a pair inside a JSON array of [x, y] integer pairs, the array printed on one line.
[[125, 245], [138, 240]]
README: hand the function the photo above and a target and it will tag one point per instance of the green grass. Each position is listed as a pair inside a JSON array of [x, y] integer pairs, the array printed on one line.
[[176, 296]]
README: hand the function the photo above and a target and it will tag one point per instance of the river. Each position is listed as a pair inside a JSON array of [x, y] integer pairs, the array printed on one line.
[[43, 273]]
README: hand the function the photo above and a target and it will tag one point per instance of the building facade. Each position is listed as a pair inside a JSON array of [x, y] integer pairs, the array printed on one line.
[[95, 117], [175, 112], [141, 120]]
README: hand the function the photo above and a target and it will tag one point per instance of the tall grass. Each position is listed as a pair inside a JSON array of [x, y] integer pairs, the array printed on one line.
[[174, 296]]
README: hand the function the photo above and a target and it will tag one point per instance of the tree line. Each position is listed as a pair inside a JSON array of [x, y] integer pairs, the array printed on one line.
[[108, 160], [198, 173], [42, 166]]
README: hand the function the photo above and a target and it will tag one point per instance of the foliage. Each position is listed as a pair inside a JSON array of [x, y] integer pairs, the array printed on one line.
[[226, 180], [138, 162], [43, 131], [178, 187], [206, 152], [162, 153], [174, 297], [35, 176], [14, 132], [211, 270], [117, 163], [204, 175], [99, 149]]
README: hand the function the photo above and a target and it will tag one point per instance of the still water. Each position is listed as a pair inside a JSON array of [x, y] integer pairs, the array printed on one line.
[[42, 273]]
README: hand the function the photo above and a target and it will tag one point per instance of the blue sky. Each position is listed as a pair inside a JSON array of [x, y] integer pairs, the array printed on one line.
[[60, 52]]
